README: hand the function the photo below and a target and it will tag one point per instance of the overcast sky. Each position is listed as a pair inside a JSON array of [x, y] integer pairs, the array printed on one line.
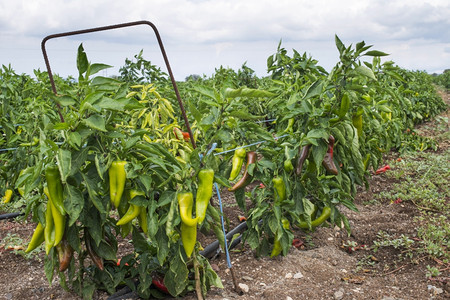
[[201, 35]]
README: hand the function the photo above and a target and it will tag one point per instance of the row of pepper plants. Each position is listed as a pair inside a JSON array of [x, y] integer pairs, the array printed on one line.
[[108, 159]]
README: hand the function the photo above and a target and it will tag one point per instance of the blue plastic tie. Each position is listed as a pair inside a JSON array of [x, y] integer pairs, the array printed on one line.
[[223, 226]]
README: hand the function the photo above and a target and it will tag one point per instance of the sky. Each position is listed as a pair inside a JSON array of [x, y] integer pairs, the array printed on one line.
[[202, 35]]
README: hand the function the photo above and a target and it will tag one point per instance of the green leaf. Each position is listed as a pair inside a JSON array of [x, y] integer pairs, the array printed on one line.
[[365, 72], [73, 202], [105, 250], [74, 139], [82, 61], [340, 46], [163, 245], [224, 136], [245, 115], [105, 83], [49, 266], [314, 89], [319, 152], [95, 68], [375, 53], [384, 108], [92, 188], [239, 195], [95, 122], [61, 126], [246, 92], [65, 100], [208, 92], [194, 111], [101, 164], [317, 134], [64, 159], [113, 104], [212, 277], [176, 278]]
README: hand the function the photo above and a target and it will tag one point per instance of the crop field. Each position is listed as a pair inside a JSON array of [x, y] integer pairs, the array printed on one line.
[[333, 184]]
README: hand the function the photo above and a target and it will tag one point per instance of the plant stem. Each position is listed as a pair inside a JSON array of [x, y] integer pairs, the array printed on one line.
[[198, 287]]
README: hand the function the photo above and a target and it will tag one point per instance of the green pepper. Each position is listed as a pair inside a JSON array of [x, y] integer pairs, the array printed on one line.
[[142, 218], [8, 195], [49, 230], [358, 123], [326, 212], [188, 224], [289, 126], [185, 202], [59, 221], [246, 178], [366, 161], [204, 193], [237, 161], [277, 248], [345, 106], [280, 188], [133, 210], [37, 238], [55, 188], [288, 167], [117, 178]]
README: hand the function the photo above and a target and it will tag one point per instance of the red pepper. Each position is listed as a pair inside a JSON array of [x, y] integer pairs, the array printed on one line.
[[158, 282], [297, 243], [328, 161], [302, 155], [181, 135], [382, 170], [246, 178]]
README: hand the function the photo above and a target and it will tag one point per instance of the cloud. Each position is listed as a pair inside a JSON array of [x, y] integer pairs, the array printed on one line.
[[230, 32]]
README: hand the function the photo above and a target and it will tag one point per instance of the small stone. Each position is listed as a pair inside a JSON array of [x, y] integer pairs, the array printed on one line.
[[247, 278], [339, 294], [215, 267], [244, 287], [262, 284], [330, 238], [435, 290], [298, 275], [289, 298], [288, 275], [9, 296]]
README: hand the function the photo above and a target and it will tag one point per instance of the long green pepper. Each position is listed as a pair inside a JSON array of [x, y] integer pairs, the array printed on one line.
[[117, 179], [55, 187], [204, 193]]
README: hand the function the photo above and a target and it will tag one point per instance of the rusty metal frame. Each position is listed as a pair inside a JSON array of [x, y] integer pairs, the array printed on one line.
[[117, 26]]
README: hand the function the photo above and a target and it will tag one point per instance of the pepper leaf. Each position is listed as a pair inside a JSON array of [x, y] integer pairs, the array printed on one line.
[[64, 159], [95, 122], [73, 202], [176, 279]]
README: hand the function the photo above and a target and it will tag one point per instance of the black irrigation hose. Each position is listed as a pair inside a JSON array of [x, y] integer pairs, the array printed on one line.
[[10, 215], [209, 251]]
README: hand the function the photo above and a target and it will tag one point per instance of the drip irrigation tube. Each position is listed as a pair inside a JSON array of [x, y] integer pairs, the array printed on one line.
[[10, 216]]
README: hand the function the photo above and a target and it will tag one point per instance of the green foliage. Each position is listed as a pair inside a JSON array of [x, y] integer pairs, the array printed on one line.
[[366, 105]]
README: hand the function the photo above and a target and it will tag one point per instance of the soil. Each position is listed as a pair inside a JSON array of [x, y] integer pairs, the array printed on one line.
[[324, 267]]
